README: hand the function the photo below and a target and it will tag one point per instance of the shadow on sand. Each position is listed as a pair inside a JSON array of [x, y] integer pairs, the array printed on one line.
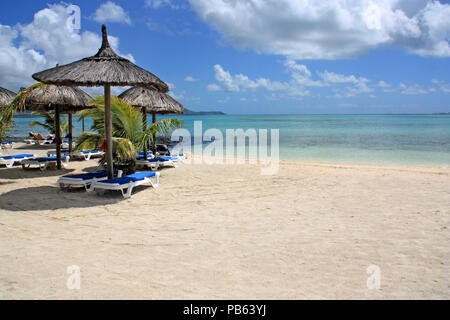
[[17, 172], [36, 147], [52, 198]]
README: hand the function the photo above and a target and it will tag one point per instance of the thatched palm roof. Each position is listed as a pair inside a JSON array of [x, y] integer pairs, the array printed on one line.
[[6, 96], [105, 68], [45, 98], [152, 100]]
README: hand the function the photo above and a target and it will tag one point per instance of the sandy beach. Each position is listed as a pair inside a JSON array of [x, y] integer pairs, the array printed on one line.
[[227, 232]]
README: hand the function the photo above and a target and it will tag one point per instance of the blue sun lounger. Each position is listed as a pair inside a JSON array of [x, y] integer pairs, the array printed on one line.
[[126, 182], [87, 155], [84, 179], [9, 161], [6, 145], [43, 162], [155, 163], [52, 153]]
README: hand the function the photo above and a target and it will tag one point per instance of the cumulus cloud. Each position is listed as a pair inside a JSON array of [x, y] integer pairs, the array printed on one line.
[[333, 29], [412, 90], [383, 84], [240, 82], [301, 79], [111, 12], [213, 87], [190, 79], [156, 4], [443, 86], [43, 43]]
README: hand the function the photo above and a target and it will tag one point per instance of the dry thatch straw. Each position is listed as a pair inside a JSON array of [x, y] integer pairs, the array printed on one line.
[[6, 96], [50, 98], [105, 68], [151, 101], [45, 98]]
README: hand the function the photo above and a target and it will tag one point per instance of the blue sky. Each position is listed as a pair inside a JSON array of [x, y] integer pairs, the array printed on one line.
[[284, 56]]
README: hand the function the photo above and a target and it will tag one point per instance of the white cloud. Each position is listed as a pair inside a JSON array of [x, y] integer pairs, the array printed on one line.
[[111, 12], [225, 100], [412, 90], [190, 79], [329, 29], [157, 4], [383, 84], [213, 87], [240, 82], [301, 79], [175, 96], [43, 43]]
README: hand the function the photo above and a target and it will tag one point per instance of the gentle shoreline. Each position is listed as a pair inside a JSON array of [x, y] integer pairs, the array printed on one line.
[[226, 232]]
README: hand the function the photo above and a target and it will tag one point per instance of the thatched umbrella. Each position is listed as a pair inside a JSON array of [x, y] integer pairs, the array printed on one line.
[[6, 96], [106, 69], [57, 99], [151, 101]]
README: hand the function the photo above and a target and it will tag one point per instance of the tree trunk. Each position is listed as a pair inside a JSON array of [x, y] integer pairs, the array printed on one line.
[[154, 136], [70, 134], [108, 131], [58, 138]]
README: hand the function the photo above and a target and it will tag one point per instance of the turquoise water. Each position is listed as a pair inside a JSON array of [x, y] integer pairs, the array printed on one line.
[[384, 139]]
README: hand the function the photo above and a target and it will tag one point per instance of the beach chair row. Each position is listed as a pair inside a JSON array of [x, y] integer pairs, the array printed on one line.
[[98, 181], [27, 160]]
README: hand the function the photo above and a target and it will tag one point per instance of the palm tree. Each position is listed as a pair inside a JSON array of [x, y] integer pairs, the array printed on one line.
[[127, 130], [49, 123], [19, 104], [6, 120]]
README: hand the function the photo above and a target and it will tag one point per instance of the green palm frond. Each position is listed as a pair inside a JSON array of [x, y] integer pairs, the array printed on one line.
[[6, 121], [49, 123], [88, 141], [162, 127], [123, 149], [127, 128], [18, 104]]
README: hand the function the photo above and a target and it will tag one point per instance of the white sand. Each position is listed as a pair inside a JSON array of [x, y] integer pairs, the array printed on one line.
[[226, 232]]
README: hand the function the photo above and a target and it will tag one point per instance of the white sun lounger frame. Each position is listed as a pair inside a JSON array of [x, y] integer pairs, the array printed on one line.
[[43, 165], [129, 186], [9, 163], [67, 182], [87, 156]]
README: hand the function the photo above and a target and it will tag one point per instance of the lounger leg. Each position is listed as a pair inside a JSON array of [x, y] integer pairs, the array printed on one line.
[[91, 187], [154, 166], [129, 190], [156, 184], [11, 164]]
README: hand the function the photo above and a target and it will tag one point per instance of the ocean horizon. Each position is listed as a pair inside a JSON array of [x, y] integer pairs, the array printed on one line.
[[404, 139]]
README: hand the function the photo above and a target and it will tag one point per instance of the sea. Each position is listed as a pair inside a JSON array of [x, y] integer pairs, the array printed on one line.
[[364, 139]]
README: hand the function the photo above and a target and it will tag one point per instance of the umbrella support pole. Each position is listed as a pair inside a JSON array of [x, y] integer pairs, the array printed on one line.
[[70, 134], [108, 131], [154, 136], [58, 138], [144, 124]]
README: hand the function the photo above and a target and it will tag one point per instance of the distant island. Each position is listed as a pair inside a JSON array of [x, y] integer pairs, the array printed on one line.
[[187, 111]]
